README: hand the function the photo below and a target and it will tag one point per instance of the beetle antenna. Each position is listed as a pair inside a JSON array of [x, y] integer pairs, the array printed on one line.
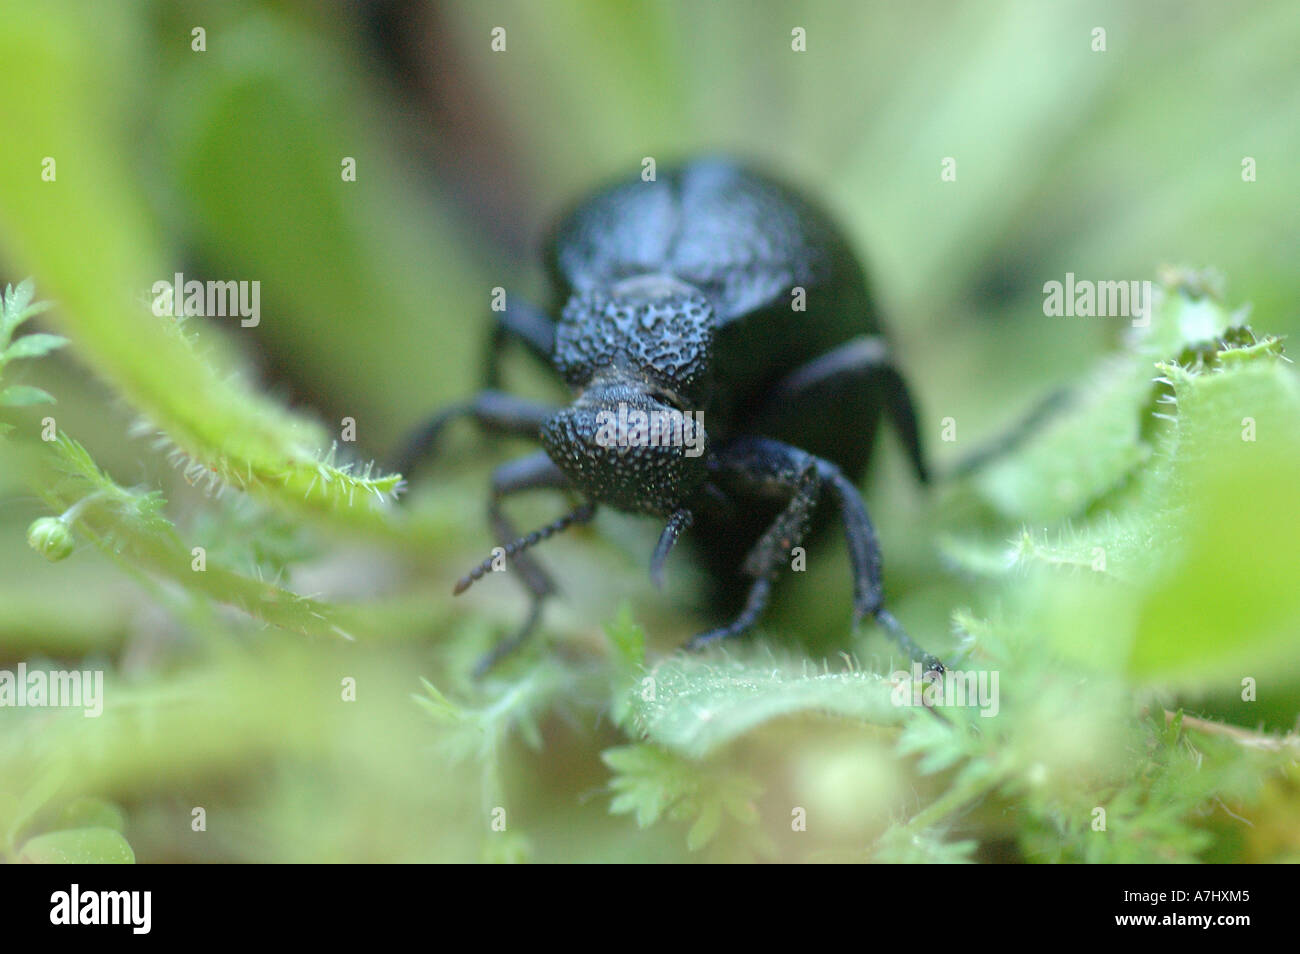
[[580, 514], [679, 521]]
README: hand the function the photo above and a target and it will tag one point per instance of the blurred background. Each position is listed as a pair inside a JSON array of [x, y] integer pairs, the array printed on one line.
[[211, 139]]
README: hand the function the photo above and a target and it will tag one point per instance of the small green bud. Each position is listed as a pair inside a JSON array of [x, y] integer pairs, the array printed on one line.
[[50, 537]]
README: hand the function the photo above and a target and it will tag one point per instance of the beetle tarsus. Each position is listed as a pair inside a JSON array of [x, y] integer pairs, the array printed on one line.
[[755, 603], [516, 547], [528, 473], [680, 521], [899, 636]]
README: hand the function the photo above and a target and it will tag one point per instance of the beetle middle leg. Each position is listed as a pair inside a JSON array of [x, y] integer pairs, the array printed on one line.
[[495, 411], [758, 466], [846, 383], [492, 409], [524, 323]]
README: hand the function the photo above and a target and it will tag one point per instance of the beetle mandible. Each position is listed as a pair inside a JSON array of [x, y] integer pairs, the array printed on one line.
[[676, 308]]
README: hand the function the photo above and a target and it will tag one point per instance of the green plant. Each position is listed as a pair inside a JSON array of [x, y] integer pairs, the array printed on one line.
[[1160, 579], [263, 611]]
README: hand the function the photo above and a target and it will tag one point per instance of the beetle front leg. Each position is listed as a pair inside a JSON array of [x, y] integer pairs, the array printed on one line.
[[755, 603], [534, 472], [494, 411], [757, 466], [864, 557], [760, 466]]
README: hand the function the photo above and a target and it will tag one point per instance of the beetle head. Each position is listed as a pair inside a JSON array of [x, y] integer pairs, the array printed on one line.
[[626, 444], [639, 353]]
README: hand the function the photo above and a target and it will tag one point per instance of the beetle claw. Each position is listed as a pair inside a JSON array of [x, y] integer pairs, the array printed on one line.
[[904, 641]]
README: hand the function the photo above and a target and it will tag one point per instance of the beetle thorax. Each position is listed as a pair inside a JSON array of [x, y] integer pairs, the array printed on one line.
[[654, 328]]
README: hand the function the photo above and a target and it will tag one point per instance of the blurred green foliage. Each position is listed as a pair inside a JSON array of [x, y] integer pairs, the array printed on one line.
[[308, 689]]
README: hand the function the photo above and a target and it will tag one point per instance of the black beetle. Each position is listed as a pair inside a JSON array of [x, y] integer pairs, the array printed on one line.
[[729, 310]]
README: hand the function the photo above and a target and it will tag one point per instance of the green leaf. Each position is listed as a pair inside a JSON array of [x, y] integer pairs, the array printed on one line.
[[650, 783], [16, 299], [22, 395], [17, 307], [705, 827], [901, 846], [647, 779], [507, 848], [628, 638], [33, 346], [1180, 460], [222, 429], [1228, 606], [695, 706], [629, 662], [442, 709], [90, 812], [132, 524], [1088, 450], [1224, 604], [1107, 433], [78, 846]]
